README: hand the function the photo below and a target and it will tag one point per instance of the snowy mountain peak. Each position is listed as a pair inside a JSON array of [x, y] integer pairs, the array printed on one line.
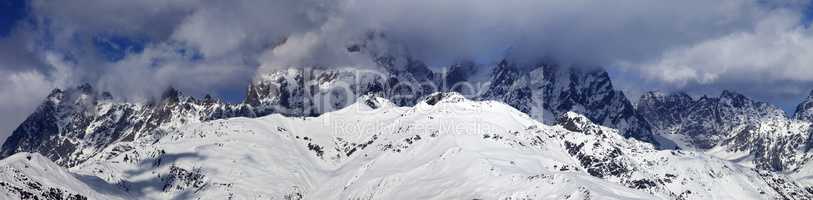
[[171, 95], [55, 96], [574, 122], [383, 144], [374, 101], [391, 153], [33, 176], [443, 97], [73, 125], [804, 111], [734, 99]]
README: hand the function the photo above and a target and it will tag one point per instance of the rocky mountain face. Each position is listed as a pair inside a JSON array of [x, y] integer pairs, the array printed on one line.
[[75, 124], [135, 146], [804, 111], [547, 91], [375, 149], [313, 91], [730, 126], [543, 91]]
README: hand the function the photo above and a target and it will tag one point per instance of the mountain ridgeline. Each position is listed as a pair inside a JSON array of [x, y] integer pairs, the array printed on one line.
[[72, 125], [374, 149], [732, 126], [568, 124]]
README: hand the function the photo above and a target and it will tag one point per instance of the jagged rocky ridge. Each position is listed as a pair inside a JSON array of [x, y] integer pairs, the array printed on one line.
[[72, 125], [374, 149], [543, 91], [804, 111], [732, 126]]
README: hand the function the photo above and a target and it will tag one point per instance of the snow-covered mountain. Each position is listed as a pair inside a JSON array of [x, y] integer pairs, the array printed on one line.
[[32, 176], [395, 131], [72, 125], [805, 109], [444, 147], [545, 91], [731, 126], [542, 91]]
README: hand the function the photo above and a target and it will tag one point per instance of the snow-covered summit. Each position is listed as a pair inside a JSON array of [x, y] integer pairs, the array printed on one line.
[[804, 111], [74, 124], [446, 147], [443, 97], [574, 122], [454, 149]]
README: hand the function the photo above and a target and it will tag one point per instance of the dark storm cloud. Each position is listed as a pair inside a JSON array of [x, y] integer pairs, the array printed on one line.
[[137, 48]]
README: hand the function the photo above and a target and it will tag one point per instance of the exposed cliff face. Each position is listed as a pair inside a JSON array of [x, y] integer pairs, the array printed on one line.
[[664, 112], [543, 91], [73, 125], [313, 91], [731, 126], [80, 121], [804, 111], [78, 125], [547, 91]]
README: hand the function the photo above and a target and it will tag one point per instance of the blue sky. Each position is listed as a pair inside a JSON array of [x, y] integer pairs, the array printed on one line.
[[13, 11]]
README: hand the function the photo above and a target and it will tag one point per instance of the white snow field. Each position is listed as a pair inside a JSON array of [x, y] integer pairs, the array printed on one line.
[[446, 147]]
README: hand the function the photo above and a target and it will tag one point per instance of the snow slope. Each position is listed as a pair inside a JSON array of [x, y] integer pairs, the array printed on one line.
[[445, 147], [32, 176], [73, 125]]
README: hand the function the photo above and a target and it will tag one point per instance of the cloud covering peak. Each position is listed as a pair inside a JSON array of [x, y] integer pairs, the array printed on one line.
[[135, 49]]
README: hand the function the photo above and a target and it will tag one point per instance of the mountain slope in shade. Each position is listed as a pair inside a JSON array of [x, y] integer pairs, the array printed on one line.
[[444, 147], [730, 126], [32, 176], [547, 91], [804, 111]]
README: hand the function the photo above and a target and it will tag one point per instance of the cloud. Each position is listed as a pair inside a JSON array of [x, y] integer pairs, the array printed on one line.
[[19, 90], [581, 32], [198, 46], [220, 27], [142, 76], [778, 48], [203, 46], [773, 61]]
